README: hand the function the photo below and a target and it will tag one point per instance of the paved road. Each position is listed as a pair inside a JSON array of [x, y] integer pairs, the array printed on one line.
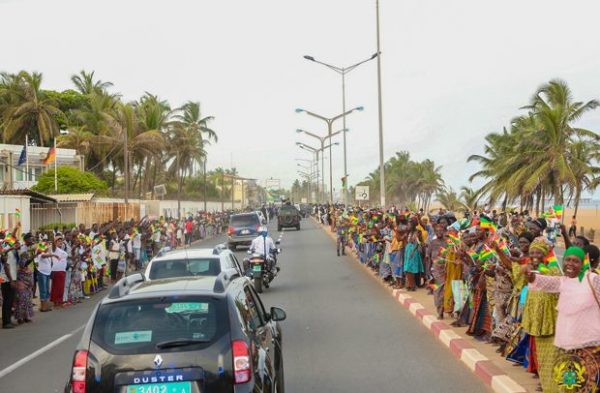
[[344, 333]]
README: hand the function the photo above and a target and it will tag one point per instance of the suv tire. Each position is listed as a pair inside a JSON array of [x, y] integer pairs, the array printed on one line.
[[298, 227]]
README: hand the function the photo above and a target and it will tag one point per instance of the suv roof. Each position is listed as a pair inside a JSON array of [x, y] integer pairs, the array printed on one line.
[[137, 287], [191, 253]]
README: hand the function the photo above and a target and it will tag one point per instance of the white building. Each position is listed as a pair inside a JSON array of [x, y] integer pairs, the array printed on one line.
[[14, 176]]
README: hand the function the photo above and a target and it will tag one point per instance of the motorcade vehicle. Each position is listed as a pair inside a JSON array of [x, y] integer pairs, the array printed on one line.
[[243, 228], [194, 262], [180, 335], [262, 271], [288, 217]]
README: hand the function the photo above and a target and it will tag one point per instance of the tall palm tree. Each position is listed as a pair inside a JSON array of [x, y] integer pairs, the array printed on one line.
[[84, 82], [469, 198], [449, 199], [28, 111]]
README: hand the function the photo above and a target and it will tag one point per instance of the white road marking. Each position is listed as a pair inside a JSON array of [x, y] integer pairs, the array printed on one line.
[[37, 353]]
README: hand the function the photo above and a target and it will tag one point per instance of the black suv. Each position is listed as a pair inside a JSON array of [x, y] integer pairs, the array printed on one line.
[[181, 335], [288, 217]]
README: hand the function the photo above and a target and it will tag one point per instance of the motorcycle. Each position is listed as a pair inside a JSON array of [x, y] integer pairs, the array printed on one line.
[[262, 271]]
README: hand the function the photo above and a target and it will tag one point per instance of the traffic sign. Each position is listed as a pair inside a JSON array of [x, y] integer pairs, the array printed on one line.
[[362, 193]]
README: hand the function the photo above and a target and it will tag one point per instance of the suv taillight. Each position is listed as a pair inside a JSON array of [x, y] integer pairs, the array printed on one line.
[[79, 372], [242, 369], [230, 230], [257, 227]]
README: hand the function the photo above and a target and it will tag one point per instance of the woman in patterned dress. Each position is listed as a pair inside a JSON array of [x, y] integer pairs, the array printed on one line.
[[24, 296]]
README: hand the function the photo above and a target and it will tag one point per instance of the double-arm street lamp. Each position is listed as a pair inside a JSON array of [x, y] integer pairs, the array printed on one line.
[[329, 121], [316, 151], [343, 71]]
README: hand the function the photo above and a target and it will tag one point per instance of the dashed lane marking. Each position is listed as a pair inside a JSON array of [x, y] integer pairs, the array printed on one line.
[[37, 353]]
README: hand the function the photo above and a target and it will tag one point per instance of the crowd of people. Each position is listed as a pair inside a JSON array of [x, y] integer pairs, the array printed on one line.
[[497, 275], [65, 266]]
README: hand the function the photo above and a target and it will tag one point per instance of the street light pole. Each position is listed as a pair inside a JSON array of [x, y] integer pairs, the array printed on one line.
[[330, 121], [343, 71], [379, 100], [315, 150]]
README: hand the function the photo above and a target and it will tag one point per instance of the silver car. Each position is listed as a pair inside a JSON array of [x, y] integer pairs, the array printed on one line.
[[197, 262]]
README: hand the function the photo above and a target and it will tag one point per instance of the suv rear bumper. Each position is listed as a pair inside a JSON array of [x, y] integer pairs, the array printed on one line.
[[241, 240]]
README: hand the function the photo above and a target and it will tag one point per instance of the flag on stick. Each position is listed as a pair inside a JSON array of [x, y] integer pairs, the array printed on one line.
[[486, 223], [558, 211], [17, 212]]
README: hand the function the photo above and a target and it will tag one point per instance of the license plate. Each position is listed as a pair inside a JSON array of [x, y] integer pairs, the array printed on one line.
[[257, 268], [169, 387], [245, 232]]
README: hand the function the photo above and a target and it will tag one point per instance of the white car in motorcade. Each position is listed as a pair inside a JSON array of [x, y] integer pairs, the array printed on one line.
[[195, 262]]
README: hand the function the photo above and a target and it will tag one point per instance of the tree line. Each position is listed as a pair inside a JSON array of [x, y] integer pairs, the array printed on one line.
[[165, 144], [541, 155]]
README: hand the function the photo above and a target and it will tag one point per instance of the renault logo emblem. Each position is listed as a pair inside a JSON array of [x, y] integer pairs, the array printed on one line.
[[158, 360]]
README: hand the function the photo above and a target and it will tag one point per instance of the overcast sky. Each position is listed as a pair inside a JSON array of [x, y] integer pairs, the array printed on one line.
[[453, 71]]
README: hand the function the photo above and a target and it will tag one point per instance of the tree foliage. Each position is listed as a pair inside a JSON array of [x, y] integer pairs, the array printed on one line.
[[162, 143], [70, 180], [542, 154]]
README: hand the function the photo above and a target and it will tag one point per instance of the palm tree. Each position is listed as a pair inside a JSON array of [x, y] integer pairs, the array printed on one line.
[[85, 84], [449, 199], [28, 110], [582, 155], [469, 198]]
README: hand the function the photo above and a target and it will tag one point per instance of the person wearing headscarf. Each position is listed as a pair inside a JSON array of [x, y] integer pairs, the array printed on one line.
[[539, 315], [578, 320]]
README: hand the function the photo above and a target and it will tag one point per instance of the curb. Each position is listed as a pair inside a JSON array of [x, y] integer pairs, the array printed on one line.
[[462, 349]]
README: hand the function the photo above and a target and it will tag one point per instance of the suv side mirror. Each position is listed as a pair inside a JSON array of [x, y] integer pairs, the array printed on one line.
[[278, 314]]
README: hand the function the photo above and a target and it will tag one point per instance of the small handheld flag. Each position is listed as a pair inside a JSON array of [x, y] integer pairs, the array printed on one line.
[[17, 212], [558, 211]]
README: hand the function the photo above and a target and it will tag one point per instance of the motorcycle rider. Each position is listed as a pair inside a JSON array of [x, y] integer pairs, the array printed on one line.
[[264, 245]]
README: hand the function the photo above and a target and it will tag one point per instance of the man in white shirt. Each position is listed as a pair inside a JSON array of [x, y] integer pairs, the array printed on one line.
[[44, 260], [263, 243], [137, 248]]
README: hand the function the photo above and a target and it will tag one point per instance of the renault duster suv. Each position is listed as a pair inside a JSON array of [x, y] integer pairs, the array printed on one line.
[[181, 335]]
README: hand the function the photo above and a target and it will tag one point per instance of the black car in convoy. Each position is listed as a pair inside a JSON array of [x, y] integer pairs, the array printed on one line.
[[180, 335], [288, 217]]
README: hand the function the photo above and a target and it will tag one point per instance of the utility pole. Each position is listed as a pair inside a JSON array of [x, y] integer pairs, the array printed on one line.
[[126, 157], [380, 104], [205, 183]]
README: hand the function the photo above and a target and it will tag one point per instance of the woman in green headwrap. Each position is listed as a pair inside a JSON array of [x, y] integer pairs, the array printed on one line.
[[539, 315], [578, 323]]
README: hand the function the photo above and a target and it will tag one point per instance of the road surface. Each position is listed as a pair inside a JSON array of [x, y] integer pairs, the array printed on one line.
[[344, 333]]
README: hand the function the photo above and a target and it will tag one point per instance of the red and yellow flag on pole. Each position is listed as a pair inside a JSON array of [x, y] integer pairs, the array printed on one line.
[[50, 157]]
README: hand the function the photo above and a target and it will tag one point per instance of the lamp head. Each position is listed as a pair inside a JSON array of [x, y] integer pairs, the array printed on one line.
[[299, 110], [309, 58], [298, 130], [335, 143], [360, 108]]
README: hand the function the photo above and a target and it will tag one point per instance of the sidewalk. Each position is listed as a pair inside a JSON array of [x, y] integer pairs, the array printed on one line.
[[482, 359]]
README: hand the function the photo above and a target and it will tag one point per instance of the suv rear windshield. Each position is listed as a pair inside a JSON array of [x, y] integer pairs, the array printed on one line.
[[185, 268], [244, 220], [288, 210], [134, 327]]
